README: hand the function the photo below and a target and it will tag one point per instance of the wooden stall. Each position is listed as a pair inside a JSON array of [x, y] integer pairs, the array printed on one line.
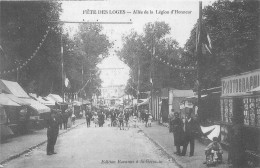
[[238, 100]]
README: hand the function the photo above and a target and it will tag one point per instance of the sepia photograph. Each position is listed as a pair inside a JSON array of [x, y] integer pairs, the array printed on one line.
[[130, 84]]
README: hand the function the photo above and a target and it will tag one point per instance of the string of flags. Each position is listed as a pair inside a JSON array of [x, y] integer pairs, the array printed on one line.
[[166, 62], [25, 63]]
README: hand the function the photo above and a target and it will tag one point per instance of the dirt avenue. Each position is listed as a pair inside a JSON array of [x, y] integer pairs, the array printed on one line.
[[86, 146]]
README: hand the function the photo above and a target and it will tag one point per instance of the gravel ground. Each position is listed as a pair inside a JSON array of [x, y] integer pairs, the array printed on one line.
[[97, 147]]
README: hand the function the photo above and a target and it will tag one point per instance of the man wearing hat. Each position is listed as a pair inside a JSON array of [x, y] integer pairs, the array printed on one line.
[[52, 132]]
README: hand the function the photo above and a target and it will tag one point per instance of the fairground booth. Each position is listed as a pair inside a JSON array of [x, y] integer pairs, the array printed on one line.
[[240, 97], [28, 114]]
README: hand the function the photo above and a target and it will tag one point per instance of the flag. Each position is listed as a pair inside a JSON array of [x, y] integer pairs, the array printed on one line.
[[203, 37], [67, 82], [151, 80]]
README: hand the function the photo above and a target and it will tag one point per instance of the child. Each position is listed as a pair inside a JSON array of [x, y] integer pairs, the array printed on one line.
[[109, 120], [95, 117], [73, 118], [135, 120], [213, 152], [150, 120]]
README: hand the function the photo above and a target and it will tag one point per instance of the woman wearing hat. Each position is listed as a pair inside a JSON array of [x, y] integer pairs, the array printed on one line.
[[178, 132]]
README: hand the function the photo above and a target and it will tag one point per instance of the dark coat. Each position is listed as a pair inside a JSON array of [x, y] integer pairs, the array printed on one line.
[[88, 115], [146, 116], [113, 116], [65, 117], [190, 128], [101, 118], [178, 132], [126, 116], [52, 127]]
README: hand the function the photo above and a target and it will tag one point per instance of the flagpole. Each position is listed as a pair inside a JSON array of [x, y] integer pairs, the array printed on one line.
[[62, 65], [138, 85], [199, 53]]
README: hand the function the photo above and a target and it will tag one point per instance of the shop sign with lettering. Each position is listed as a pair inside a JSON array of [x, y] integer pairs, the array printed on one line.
[[240, 84]]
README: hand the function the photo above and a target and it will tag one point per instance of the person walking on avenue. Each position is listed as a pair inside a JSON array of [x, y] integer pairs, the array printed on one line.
[[178, 133], [121, 120], [52, 132], [65, 118], [170, 118], [95, 117], [88, 118], [113, 117], [101, 119], [189, 134], [146, 116], [59, 118], [127, 117]]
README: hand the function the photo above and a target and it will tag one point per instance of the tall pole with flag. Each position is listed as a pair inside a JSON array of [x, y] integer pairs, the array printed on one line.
[[138, 84], [62, 65], [199, 54]]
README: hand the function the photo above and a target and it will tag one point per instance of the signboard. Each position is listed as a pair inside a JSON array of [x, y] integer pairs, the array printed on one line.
[[240, 84]]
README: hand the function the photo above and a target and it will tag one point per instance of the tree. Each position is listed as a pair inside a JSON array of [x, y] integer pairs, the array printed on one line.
[[89, 48], [233, 28], [22, 27], [140, 51]]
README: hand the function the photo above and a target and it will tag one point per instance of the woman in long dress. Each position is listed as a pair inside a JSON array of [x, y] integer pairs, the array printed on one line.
[[178, 132]]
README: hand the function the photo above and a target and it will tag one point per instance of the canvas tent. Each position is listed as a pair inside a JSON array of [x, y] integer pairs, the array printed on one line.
[[13, 88], [43, 100], [40, 108], [145, 102], [6, 101], [18, 95], [55, 97]]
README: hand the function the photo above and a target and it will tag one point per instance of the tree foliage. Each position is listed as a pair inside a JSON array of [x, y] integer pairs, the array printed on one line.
[[233, 27], [91, 46], [22, 27], [138, 51]]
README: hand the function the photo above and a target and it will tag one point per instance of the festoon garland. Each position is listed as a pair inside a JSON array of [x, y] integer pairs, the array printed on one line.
[[25, 63], [166, 62]]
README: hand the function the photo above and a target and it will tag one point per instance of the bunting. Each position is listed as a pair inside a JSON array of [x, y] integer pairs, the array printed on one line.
[[158, 58]]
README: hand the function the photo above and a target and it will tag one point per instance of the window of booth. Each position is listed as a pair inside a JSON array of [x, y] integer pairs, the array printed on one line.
[[226, 110], [246, 112], [251, 111], [258, 111]]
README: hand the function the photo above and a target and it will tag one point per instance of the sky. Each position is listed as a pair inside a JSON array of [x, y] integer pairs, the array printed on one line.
[[123, 11]]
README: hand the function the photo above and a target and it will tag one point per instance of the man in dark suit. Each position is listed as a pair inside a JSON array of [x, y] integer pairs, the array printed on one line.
[[189, 134], [52, 132], [88, 117], [113, 117]]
